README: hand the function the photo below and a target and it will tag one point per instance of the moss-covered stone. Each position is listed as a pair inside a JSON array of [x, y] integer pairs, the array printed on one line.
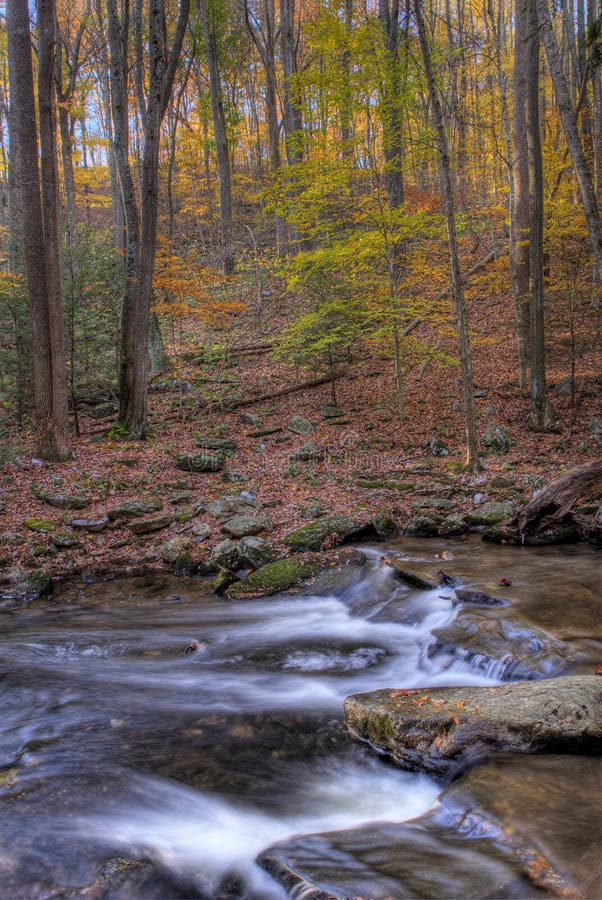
[[453, 524], [422, 526], [222, 581], [272, 578], [315, 534], [490, 513], [42, 526]]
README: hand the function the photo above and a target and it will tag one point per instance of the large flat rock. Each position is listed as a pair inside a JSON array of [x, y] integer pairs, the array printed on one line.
[[434, 730], [517, 827]]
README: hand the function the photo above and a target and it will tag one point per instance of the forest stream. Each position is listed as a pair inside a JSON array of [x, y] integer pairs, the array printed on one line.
[[155, 739]]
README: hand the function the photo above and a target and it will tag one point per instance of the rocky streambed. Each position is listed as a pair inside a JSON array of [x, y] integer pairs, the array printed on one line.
[[158, 740]]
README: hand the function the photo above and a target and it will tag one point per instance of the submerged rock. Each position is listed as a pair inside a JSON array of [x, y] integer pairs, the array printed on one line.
[[513, 649], [478, 598], [434, 730], [514, 828]]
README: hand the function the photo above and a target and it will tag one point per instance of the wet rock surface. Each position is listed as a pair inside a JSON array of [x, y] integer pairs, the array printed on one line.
[[435, 730], [493, 640], [512, 828]]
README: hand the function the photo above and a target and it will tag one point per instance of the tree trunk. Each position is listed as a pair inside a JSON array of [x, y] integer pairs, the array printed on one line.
[[391, 104], [541, 417], [221, 138], [445, 173], [293, 120], [571, 131], [40, 210], [520, 177]]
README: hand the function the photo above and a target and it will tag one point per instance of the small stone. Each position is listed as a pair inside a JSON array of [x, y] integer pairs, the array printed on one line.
[[330, 411], [225, 555], [477, 598], [63, 501], [242, 526], [199, 462], [209, 443], [490, 513], [134, 509], [255, 552], [309, 452], [201, 532], [422, 526], [249, 419], [453, 524], [300, 425], [64, 539], [438, 447], [496, 437], [91, 525]]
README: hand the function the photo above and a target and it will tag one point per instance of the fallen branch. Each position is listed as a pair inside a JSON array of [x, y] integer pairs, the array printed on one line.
[[272, 395]]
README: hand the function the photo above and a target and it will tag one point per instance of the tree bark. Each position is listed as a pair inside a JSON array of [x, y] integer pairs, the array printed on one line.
[[571, 131], [221, 137], [39, 204], [457, 283], [520, 179], [541, 418]]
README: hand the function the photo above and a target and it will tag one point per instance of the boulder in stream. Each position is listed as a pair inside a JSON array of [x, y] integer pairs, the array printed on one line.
[[492, 641], [435, 730]]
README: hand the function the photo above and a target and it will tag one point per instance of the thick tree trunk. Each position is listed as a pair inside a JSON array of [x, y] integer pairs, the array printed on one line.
[[571, 131], [40, 236], [457, 283]]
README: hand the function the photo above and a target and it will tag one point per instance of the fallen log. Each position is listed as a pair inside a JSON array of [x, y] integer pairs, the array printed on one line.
[[553, 504]]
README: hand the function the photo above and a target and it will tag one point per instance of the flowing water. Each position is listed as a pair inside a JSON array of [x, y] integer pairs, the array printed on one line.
[[148, 719]]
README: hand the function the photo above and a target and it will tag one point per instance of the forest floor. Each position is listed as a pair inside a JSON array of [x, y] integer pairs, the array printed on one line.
[[371, 461]]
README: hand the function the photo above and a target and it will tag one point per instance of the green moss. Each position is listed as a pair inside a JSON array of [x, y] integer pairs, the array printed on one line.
[[272, 578], [43, 526], [313, 535]]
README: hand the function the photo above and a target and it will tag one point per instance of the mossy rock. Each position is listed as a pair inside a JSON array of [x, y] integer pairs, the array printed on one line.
[[490, 513], [154, 523], [64, 540], [63, 501], [42, 526], [28, 586], [453, 524], [222, 581], [314, 535], [272, 578], [422, 526]]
